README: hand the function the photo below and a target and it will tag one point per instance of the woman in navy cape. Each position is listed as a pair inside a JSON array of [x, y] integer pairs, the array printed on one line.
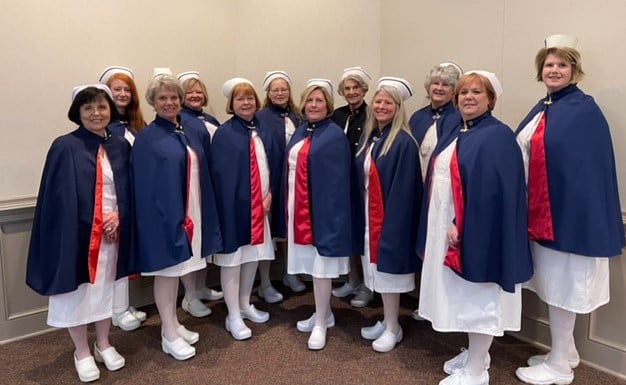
[[81, 236], [475, 254], [425, 122], [245, 165], [192, 113], [574, 216], [316, 204], [176, 228], [128, 123], [280, 114], [391, 186]]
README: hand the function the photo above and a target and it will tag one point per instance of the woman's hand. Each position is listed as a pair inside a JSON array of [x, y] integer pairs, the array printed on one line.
[[111, 224], [267, 202], [453, 237]]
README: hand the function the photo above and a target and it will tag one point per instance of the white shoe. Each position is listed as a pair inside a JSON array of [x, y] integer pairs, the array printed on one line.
[[543, 374], [195, 307], [463, 377], [254, 315], [111, 358], [140, 315], [387, 341], [317, 340], [344, 290], [126, 321], [373, 332], [209, 294], [306, 326], [292, 282], [416, 315], [189, 336], [238, 329], [362, 298], [269, 294], [87, 369], [540, 358], [178, 348], [457, 363]]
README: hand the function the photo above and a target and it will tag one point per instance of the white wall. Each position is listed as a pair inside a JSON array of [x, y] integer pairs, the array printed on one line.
[[47, 47]]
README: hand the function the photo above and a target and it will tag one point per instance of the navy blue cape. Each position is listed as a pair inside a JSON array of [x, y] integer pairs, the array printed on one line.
[[274, 118], [423, 118], [59, 243], [330, 176], [401, 186], [582, 181], [159, 173], [230, 170]]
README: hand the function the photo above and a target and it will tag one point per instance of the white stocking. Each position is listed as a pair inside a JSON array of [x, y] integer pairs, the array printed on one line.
[[391, 308], [229, 276], [189, 283], [120, 296], [81, 344], [264, 273], [562, 332], [102, 333], [248, 271], [321, 291], [201, 278], [165, 294], [478, 349]]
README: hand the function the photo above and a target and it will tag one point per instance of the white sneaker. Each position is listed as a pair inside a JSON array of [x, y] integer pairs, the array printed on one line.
[[293, 282], [362, 297], [540, 358], [209, 294], [463, 377], [344, 290], [543, 374], [457, 363], [373, 332], [269, 294], [195, 307], [307, 325]]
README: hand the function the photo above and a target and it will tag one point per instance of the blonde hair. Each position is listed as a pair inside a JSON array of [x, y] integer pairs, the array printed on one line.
[[190, 83], [569, 54], [399, 122], [330, 102]]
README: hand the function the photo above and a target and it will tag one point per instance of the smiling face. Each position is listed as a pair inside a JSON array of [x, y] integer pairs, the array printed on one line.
[[96, 115], [315, 107], [556, 73], [353, 93], [384, 108], [473, 100], [244, 105], [440, 92], [194, 97], [167, 104], [278, 92], [122, 95]]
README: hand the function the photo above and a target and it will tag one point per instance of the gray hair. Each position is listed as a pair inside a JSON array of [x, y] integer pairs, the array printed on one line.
[[447, 73], [167, 82]]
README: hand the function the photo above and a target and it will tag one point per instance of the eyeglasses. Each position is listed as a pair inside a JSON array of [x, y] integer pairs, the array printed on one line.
[[279, 91]]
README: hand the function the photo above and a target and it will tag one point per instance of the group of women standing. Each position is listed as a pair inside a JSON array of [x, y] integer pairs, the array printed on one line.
[[453, 191]]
